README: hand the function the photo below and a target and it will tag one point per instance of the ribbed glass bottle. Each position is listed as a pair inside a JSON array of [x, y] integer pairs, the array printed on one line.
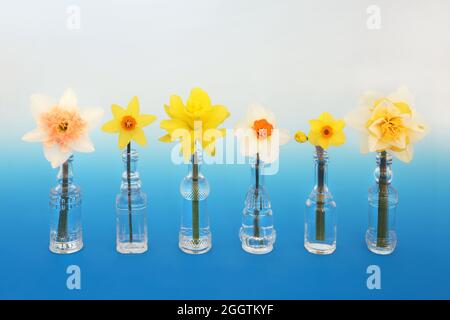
[[131, 209], [66, 233], [381, 235]]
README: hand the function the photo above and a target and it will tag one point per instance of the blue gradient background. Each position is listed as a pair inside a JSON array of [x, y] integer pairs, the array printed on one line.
[[297, 57]]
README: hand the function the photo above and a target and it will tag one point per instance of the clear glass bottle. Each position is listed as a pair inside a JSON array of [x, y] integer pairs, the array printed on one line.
[[66, 234], [131, 208], [381, 236], [195, 233], [257, 233], [321, 215]]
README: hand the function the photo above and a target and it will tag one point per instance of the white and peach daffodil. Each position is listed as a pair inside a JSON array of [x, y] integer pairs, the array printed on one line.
[[388, 123], [258, 134], [61, 127]]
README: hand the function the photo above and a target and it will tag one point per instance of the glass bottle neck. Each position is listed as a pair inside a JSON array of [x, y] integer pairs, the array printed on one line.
[[321, 169], [257, 172], [383, 171], [65, 174], [130, 177], [194, 165]]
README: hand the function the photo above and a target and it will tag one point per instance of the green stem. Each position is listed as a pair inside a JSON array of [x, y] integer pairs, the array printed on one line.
[[383, 204], [64, 205], [130, 207], [320, 208], [256, 227], [195, 200]]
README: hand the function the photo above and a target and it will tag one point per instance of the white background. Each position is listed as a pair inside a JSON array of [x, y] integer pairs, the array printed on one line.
[[297, 57]]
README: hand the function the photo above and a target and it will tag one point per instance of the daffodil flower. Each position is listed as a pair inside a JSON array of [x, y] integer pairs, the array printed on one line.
[[326, 131], [62, 127], [388, 123], [195, 123], [129, 123], [259, 134]]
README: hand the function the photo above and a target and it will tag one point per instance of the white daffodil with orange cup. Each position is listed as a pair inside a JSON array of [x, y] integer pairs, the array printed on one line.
[[260, 139], [63, 129]]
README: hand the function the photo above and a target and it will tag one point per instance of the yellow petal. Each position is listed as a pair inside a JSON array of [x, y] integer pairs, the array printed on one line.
[[176, 108], [166, 138], [316, 125], [199, 96], [187, 146], [337, 139], [314, 137], [215, 117], [326, 117], [124, 138], [117, 111], [139, 136], [112, 126], [338, 125], [173, 124], [133, 107], [209, 140], [145, 119], [403, 107], [324, 143], [318, 140], [211, 134]]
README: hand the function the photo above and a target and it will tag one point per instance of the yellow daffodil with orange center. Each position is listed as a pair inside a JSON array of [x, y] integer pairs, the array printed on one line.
[[326, 131], [129, 123], [194, 124], [388, 123]]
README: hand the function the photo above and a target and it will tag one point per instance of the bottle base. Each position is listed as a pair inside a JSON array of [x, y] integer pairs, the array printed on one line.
[[386, 250], [131, 247], [63, 247], [257, 250], [320, 248], [257, 245], [190, 246]]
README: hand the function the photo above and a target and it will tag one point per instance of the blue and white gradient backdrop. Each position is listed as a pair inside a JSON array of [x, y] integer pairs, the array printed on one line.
[[296, 57]]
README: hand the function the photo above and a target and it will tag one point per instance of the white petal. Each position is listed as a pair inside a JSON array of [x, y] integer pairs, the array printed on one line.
[[368, 99], [358, 118], [258, 112], [284, 136], [406, 155], [35, 135], [255, 112], [69, 100], [248, 145], [400, 142], [240, 127], [40, 104], [364, 143], [56, 156], [92, 116], [402, 94], [417, 127], [376, 144], [375, 129], [269, 150], [268, 156], [84, 144]]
